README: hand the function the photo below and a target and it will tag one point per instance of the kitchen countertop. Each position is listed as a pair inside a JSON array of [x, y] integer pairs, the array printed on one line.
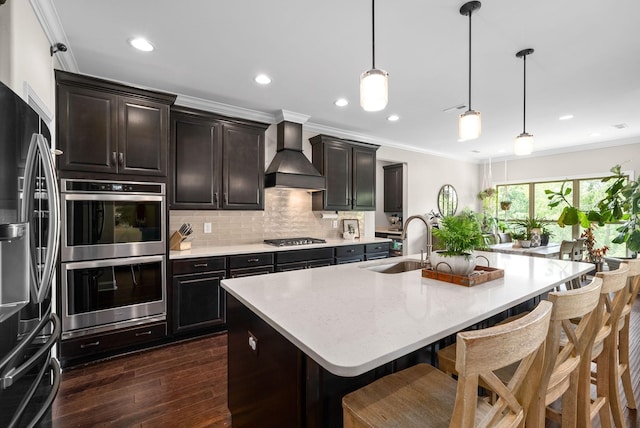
[[350, 319], [225, 250]]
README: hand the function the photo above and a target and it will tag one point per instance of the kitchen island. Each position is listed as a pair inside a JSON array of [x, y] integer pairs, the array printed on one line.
[[299, 341]]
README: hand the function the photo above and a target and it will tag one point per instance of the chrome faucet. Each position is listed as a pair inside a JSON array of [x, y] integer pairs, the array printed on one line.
[[429, 237]]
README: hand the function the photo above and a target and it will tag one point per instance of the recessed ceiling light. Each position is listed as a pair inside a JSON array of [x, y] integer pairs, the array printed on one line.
[[141, 44], [594, 134], [341, 102], [393, 118], [263, 79], [566, 117]]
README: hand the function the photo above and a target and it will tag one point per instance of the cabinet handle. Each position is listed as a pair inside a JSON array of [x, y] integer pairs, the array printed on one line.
[[120, 158], [377, 248], [253, 260], [144, 333], [114, 158], [215, 198], [258, 195], [200, 265], [89, 345], [351, 251], [226, 198]]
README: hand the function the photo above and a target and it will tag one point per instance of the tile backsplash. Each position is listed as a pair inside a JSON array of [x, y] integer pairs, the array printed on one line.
[[287, 214]]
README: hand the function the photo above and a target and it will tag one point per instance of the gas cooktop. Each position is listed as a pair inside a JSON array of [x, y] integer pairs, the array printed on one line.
[[286, 242]]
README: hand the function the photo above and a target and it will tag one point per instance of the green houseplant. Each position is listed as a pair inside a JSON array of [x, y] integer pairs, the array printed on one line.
[[458, 235]]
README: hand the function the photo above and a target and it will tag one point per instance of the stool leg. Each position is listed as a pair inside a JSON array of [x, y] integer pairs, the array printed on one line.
[[602, 388], [613, 387], [623, 347]]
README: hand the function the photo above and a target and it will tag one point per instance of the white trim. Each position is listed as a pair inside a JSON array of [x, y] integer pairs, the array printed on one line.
[[291, 116], [590, 176], [224, 109], [50, 22], [36, 103]]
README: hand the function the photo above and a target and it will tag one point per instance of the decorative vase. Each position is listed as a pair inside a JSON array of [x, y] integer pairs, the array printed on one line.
[[525, 243], [535, 237], [544, 239], [458, 265], [505, 205]]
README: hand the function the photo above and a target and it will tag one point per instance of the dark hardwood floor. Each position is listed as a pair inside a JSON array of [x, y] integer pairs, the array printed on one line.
[[185, 385]]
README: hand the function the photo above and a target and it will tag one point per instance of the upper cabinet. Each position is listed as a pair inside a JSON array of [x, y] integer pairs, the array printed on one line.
[[216, 162], [350, 170], [110, 128], [393, 188]]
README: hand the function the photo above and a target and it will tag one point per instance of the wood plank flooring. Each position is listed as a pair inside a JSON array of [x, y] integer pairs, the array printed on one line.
[[185, 385]]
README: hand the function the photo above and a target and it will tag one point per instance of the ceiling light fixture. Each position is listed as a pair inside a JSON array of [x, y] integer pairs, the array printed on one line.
[[393, 118], [374, 83], [523, 144], [263, 79], [469, 123], [141, 44], [566, 117], [341, 102]]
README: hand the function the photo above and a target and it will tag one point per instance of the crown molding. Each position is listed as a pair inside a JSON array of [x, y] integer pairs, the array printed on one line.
[[50, 22], [224, 109]]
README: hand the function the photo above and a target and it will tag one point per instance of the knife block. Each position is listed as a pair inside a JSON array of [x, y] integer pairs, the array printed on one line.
[[176, 242]]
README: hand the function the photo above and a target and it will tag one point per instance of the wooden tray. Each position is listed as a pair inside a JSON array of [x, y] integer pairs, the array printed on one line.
[[480, 274]]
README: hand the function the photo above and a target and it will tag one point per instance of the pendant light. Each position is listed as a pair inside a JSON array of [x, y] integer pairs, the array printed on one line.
[[469, 124], [523, 144], [374, 83]]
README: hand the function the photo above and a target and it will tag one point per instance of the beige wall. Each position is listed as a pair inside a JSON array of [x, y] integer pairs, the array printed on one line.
[[24, 52]]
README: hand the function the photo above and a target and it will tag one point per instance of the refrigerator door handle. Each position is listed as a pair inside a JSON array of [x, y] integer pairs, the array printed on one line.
[[39, 149], [9, 377]]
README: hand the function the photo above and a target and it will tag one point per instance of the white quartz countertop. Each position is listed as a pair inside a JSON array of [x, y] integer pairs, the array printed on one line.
[[225, 250], [350, 319]]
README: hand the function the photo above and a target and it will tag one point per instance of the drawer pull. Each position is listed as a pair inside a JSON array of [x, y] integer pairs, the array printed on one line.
[[377, 248], [253, 260], [198, 265], [89, 345], [351, 251], [144, 333]]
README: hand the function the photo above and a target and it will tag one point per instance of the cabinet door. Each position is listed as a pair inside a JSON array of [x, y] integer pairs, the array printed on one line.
[[337, 170], [195, 158], [242, 167], [197, 301], [364, 179], [143, 138], [393, 188], [87, 129]]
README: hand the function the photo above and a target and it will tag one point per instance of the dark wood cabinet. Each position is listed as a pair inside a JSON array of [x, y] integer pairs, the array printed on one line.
[[393, 188], [350, 170], [216, 163], [349, 254], [250, 264], [197, 298], [106, 127], [376, 251], [304, 259]]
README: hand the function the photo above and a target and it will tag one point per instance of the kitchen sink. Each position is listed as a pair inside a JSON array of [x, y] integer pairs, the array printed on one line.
[[402, 266]]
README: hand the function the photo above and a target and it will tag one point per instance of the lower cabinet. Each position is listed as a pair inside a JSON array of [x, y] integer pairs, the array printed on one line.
[[349, 254], [250, 264], [198, 300], [376, 251], [303, 259], [91, 347]]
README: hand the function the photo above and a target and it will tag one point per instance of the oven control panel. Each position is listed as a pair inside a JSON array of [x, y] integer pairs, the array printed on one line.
[[88, 186]]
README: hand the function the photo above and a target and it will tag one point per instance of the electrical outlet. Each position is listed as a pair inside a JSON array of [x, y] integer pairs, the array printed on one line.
[[207, 228], [335, 224]]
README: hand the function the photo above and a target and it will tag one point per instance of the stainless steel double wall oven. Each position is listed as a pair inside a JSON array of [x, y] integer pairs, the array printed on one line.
[[113, 255]]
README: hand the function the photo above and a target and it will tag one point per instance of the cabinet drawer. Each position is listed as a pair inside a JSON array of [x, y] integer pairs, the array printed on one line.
[[377, 248], [250, 260], [205, 264], [376, 256], [304, 255], [349, 259], [258, 270], [99, 343], [349, 250]]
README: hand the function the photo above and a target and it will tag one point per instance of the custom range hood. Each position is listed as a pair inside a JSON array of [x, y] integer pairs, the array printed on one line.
[[290, 168]]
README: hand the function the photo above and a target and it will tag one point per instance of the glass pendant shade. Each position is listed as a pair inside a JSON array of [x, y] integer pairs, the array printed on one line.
[[469, 125], [374, 89], [523, 145]]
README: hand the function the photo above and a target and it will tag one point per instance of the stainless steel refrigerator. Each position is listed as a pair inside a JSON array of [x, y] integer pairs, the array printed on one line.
[[29, 239]]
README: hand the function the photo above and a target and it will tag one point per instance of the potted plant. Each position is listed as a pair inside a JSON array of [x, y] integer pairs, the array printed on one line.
[[545, 235], [594, 255], [458, 235]]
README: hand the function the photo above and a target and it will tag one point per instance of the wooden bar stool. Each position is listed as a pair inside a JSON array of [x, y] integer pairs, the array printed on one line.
[[559, 378], [422, 396], [604, 353], [623, 369]]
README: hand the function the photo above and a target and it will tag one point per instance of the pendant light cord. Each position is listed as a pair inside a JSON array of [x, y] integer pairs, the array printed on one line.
[[373, 33], [524, 107], [470, 12]]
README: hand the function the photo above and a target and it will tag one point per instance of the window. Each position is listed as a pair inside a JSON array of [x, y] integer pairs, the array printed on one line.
[[530, 200]]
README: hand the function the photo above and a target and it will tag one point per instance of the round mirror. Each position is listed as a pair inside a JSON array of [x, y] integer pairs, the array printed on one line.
[[447, 200]]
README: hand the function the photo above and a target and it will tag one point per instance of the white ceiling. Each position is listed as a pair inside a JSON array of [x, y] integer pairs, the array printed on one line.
[[586, 63]]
